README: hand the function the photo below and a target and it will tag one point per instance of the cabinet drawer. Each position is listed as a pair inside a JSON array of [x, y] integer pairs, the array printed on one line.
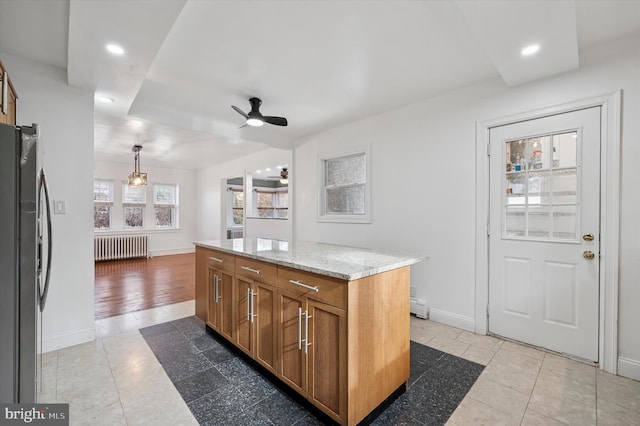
[[221, 260], [256, 269], [317, 287]]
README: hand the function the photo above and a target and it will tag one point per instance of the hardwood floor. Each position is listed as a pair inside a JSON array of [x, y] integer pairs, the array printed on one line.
[[123, 286]]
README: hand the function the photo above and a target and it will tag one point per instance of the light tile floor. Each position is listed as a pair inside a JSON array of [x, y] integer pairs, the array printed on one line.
[[116, 380]]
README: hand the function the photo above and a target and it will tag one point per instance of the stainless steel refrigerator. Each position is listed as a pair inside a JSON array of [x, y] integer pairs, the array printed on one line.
[[25, 260]]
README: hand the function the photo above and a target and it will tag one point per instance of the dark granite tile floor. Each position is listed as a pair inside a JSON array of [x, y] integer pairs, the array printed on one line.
[[221, 388]]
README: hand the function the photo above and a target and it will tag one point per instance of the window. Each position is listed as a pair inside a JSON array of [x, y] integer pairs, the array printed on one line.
[[345, 191], [133, 203], [272, 203], [164, 203], [237, 206], [102, 203]]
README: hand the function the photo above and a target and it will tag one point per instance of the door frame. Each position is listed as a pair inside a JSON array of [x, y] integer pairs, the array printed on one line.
[[610, 105]]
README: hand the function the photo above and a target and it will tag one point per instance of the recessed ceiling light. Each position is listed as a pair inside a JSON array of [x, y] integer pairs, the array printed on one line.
[[115, 49], [258, 171], [105, 99], [268, 169], [530, 50]]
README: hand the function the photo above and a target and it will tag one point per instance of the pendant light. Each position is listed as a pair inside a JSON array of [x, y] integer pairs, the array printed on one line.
[[136, 178]]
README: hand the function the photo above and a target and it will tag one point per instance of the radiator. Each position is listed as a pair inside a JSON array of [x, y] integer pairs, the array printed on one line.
[[119, 247], [234, 233]]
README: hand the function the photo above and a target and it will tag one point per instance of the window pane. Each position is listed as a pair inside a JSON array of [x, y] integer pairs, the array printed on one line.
[[164, 194], [134, 217], [133, 194], [283, 200], [349, 200], [102, 191], [564, 149], [237, 199], [238, 216], [565, 186], [265, 199], [539, 221], [345, 170], [514, 222], [164, 217], [102, 217], [564, 222]]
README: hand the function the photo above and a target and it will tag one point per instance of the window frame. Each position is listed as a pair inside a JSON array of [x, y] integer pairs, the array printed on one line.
[[323, 215]]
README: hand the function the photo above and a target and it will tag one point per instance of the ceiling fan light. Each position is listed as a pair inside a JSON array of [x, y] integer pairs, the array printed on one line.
[[254, 122], [284, 181]]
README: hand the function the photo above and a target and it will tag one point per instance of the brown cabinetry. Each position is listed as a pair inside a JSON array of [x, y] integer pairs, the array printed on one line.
[[8, 98], [255, 301], [343, 345], [313, 350], [220, 308]]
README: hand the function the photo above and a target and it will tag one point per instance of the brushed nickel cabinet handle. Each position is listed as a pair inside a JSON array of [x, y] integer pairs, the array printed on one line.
[[216, 259], [298, 283], [255, 271], [299, 329]]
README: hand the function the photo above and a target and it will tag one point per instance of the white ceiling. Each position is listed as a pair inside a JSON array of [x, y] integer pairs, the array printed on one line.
[[318, 63]]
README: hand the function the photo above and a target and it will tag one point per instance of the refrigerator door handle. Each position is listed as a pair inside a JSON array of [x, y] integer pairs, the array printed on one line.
[[43, 291]]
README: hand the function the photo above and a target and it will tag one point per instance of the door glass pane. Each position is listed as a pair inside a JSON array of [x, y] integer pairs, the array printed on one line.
[[541, 182], [539, 222], [564, 222], [538, 188], [565, 183], [564, 149], [515, 223]]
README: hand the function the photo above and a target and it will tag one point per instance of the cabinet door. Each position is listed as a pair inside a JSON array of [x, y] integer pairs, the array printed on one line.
[[243, 314], [220, 305], [327, 358], [264, 325], [213, 298], [225, 287], [292, 366]]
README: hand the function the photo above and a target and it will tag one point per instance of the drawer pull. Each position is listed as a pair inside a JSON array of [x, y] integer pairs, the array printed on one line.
[[314, 288], [216, 259], [255, 271]]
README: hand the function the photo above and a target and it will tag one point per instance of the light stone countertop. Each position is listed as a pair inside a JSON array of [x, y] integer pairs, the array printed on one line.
[[343, 262]]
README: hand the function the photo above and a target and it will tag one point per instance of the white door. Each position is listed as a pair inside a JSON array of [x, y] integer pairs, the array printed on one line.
[[544, 232]]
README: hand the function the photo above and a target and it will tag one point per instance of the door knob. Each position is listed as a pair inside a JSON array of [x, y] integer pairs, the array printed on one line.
[[588, 254], [588, 237]]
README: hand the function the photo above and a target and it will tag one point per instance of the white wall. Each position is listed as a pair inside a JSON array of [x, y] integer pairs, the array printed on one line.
[[65, 116], [423, 181], [161, 241], [211, 189]]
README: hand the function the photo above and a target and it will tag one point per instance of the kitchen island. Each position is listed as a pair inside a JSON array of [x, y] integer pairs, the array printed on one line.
[[331, 322]]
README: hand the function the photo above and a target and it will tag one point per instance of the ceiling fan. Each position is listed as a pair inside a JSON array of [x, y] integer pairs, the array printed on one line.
[[284, 176], [255, 118]]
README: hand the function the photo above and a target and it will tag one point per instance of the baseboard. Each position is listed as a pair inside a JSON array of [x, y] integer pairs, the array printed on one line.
[[629, 368], [168, 252], [70, 338], [454, 320]]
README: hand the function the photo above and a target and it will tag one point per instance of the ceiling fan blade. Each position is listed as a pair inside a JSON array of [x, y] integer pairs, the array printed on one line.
[[239, 111], [278, 121]]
